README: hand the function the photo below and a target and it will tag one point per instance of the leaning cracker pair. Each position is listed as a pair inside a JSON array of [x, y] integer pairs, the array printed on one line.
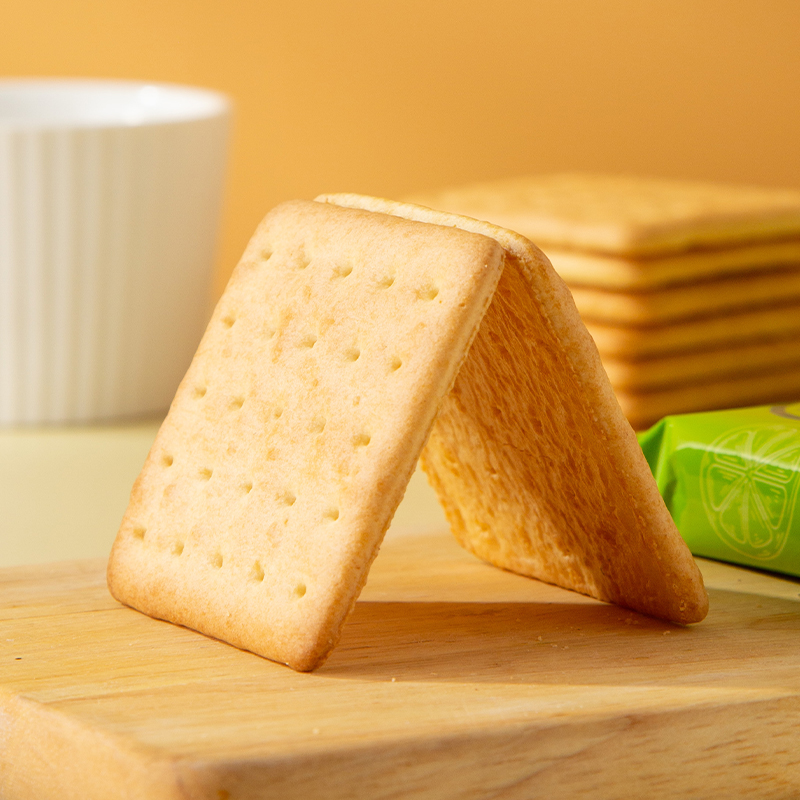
[[352, 332]]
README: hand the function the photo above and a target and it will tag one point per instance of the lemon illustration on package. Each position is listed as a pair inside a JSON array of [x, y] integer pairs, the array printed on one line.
[[749, 483], [731, 481]]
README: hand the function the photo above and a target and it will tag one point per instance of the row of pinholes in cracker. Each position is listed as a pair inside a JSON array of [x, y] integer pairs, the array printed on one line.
[[300, 259], [217, 556], [312, 336], [202, 391]]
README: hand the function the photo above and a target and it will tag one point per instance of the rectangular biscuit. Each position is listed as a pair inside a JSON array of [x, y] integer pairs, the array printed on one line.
[[293, 435], [650, 341], [625, 215], [689, 300], [781, 385], [535, 465], [328, 361], [635, 274], [729, 361]]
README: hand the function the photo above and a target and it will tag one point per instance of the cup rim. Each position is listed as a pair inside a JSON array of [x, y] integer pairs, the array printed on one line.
[[149, 103]]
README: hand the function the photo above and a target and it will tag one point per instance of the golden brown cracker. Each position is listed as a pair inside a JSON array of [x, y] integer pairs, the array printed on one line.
[[605, 271], [780, 385], [686, 301], [626, 215], [293, 435], [649, 341], [729, 361]]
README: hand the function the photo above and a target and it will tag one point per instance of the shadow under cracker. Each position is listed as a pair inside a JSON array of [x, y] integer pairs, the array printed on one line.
[[581, 644]]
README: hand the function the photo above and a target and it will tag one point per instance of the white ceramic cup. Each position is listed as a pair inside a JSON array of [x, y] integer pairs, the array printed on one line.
[[110, 196]]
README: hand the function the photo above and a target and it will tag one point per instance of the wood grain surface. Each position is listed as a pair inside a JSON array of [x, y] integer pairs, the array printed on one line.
[[453, 679]]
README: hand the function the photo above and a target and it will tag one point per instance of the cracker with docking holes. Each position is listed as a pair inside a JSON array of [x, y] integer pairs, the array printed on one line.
[[292, 437], [537, 468], [342, 339]]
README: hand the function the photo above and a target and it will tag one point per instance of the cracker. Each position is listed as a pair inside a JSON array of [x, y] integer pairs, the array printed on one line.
[[776, 386], [627, 216], [648, 341], [536, 467], [730, 361], [293, 435], [700, 299], [631, 274]]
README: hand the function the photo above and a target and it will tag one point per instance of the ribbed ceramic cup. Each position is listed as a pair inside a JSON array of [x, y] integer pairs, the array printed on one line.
[[110, 197]]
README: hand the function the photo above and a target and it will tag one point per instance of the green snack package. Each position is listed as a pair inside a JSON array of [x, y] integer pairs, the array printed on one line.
[[731, 479]]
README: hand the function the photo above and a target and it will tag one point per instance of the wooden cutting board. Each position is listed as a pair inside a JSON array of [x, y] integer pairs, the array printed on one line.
[[453, 680]]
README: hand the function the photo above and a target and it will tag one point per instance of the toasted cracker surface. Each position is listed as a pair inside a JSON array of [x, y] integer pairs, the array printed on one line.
[[625, 215], [537, 468], [293, 435]]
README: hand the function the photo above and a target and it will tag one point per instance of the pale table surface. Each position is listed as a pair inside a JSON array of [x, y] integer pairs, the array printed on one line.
[[63, 491]]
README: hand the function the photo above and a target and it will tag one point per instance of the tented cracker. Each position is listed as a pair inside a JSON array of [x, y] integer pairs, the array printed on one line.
[[292, 437], [536, 467]]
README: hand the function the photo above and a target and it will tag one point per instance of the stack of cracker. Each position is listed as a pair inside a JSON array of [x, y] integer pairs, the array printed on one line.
[[355, 335], [691, 291]]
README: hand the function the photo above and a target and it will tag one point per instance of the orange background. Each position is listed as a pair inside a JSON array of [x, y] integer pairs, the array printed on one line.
[[391, 96]]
